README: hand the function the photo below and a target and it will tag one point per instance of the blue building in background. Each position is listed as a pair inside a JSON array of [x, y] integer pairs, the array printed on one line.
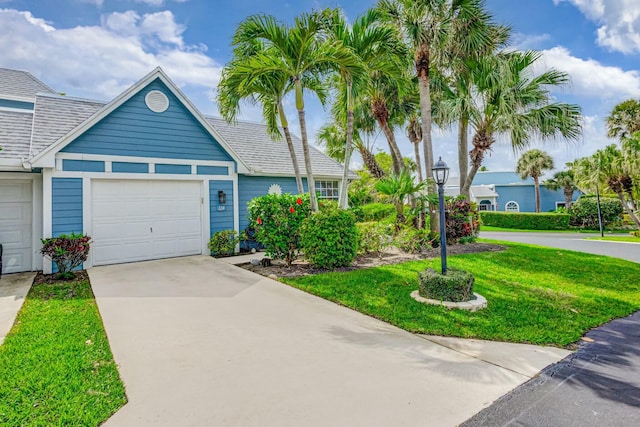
[[507, 192]]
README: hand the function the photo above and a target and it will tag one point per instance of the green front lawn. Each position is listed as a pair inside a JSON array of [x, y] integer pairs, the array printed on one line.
[[630, 239], [535, 295], [56, 367]]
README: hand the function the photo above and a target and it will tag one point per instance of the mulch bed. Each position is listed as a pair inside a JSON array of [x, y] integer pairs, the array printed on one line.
[[50, 279], [395, 256]]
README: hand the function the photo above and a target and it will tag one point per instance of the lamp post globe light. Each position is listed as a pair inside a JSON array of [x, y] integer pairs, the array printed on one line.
[[440, 175]]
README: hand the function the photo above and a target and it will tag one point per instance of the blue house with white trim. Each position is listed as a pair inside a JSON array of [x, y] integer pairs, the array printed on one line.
[[146, 175], [507, 192]]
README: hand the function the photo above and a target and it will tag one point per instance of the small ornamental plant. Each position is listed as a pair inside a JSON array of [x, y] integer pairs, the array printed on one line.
[[277, 220], [330, 238], [67, 251], [462, 220], [223, 243], [455, 286]]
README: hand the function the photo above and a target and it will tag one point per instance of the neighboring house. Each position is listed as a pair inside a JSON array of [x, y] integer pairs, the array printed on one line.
[[506, 191], [146, 175]]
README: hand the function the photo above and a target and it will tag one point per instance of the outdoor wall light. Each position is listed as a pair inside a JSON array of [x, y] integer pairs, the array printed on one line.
[[222, 198]]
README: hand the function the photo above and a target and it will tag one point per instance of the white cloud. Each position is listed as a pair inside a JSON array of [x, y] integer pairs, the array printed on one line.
[[101, 61], [529, 41], [619, 22], [590, 78]]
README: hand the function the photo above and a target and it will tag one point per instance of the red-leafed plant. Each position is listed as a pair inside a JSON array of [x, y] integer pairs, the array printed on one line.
[[68, 251]]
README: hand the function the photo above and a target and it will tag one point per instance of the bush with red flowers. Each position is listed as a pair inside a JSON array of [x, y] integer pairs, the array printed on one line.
[[462, 219], [67, 251], [277, 220]]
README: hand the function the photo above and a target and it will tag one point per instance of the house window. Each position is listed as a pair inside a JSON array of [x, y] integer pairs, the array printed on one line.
[[561, 205], [327, 190], [484, 205], [512, 206]]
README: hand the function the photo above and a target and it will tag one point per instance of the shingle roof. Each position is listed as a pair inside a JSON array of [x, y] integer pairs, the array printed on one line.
[[479, 191], [56, 116], [268, 157], [21, 84], [15, 134]]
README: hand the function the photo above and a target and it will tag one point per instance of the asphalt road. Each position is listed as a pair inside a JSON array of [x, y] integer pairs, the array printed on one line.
[[571, 241], [598, 385]]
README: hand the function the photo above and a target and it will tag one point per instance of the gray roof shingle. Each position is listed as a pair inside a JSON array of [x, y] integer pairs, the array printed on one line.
[[56, 116], [264, 156], [15, 134], [21, 84]]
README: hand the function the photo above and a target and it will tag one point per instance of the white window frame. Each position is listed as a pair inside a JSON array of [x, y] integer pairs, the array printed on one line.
[[561, 205], [507, 209], [324, 187]]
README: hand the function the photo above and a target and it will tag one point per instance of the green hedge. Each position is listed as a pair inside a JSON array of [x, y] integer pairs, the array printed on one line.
[[330, 238], [525, 221], [377, 211], [456, 286]]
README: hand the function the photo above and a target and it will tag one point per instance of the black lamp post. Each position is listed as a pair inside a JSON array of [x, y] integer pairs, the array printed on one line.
[[441, 174]]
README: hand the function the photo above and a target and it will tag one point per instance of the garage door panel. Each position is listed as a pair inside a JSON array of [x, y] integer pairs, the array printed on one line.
[[140, 220]]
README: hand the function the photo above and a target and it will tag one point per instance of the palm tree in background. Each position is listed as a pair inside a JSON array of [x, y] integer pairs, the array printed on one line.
[[624, 120], [533, 163], [563, 180], [302, 53], [512, 100]]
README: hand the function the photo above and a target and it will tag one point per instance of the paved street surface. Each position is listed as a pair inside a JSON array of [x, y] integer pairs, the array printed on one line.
[[199, 342], [599, 385], [573, 242]]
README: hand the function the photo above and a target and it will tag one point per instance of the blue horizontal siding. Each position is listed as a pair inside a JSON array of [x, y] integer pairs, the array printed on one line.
[[176, 169], [213, 170], [525, 196], [221, 220], [66, 207], [127, 167], [21, 105], [82, 165], [250, 187], [134, 130]]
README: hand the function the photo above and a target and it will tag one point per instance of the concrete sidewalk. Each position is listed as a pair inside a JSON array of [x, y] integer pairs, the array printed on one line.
[[13, 289], [201, 342]]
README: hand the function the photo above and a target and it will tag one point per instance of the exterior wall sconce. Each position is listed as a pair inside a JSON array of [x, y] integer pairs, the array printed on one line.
[[222, 197]]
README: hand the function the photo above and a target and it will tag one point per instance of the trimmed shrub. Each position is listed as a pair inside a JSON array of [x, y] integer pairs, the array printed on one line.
[[330, 238], [455, 286], [635, 233], [412, 240], [223, 243], [462, 219], [277, 220], [374, 237], [378, 211], [68, 251], [525, 220], [584, 212]]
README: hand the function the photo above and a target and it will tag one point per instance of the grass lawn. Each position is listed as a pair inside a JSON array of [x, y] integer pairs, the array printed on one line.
[[630, 239], [535, 295], [56, 367]]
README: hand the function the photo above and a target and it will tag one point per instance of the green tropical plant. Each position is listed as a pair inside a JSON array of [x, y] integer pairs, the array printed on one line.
[[67, 251], [277, 220], [532, 164], [223, 243], [563, 180], [302, 53], [399, 188], [515, 101]]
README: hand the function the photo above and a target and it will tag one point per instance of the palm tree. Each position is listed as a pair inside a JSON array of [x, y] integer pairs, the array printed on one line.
[[301, 53], [563, 180], [414, 133], [268, 92], [399, 188], [533, 163], [624, 120], [511, 99]]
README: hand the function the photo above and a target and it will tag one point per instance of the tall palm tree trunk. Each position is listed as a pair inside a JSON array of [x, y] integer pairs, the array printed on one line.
[[627, 209], [292, 152], [370, 162], [343, 199], [568, 197], [463, 155], [311, 184], [536, 182], [422, 67], [396, 157]]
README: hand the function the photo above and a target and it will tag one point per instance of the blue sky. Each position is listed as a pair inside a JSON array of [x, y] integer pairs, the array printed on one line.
[[97, 48]]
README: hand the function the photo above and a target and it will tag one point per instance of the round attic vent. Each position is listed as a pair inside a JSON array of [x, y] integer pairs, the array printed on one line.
[[156, 101]]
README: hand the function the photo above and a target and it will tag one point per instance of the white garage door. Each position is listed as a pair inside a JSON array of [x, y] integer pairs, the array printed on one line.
[[142, 220], [16, 225]]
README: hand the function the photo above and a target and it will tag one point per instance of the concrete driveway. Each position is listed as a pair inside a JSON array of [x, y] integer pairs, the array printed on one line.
[[571, 241], [201, 342]]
